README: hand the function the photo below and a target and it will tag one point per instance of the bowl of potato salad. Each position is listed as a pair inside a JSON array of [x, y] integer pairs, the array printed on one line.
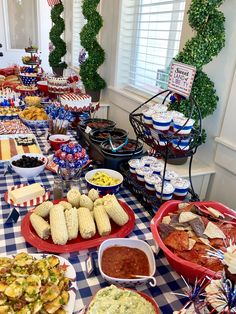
[[106, 181]]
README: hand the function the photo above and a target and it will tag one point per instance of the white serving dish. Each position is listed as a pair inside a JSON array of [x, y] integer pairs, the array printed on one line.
[[103, 190], [29, 172], [133, 243]]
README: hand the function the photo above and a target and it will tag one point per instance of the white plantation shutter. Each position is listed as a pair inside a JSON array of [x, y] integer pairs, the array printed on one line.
[[78, 22], [150, 32]]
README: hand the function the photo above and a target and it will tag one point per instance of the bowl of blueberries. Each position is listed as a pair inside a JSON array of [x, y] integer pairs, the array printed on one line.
[[28, 165]]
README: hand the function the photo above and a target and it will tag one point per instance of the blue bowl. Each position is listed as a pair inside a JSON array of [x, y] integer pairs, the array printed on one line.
[[28, 80], [103, 190]]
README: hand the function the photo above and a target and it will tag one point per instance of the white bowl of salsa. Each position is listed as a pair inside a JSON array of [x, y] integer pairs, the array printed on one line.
[[127, 262]]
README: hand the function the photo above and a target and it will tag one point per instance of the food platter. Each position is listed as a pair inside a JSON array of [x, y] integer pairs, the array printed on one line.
[[30, 203], [69, 272], [77, 244]]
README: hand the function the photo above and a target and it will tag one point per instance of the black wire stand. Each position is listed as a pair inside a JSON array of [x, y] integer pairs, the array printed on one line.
[[155, 139]]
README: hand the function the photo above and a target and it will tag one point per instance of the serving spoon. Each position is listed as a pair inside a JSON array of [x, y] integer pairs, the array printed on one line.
[[152, 281]]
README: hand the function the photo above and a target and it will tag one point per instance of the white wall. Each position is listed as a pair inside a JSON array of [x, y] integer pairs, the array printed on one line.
[[220, 70]]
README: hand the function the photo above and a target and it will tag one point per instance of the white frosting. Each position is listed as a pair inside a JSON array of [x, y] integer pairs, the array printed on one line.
[[167, 188], [230, 259], [148, 112], [157, 167], [72, 100], [181, 121], [176, 114], [152, 179], [135, 163], [148, 160], [143, 171], [162, 117], [169, 175], [159, 108], [180, 183]]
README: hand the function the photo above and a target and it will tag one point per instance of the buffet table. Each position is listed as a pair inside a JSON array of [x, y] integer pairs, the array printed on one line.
[[11, 241]]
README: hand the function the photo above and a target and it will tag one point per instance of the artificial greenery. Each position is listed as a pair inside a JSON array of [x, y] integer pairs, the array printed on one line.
[[96, 55], [57, 29], [208, 22]]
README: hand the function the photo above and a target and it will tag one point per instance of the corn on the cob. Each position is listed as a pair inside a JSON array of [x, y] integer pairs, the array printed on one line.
[[40, 225], [93, 194], [85, 201], [72, 223], [102, 221], [115, 211], [87, 226], [66, 205], [43, 209], [98, 202], [73, 197], [58, 225]]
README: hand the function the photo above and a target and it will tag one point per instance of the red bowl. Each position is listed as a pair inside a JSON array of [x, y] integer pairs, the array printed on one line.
[[187, 269], [57, 140], [43, 86]]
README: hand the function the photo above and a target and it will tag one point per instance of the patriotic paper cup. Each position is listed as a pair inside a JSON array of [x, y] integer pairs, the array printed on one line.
[[161, 121], [147, 116], [151, 180], [148, 160], [141, 172], [169, 175], [183, 125], [134, 164], [168, 190], [157, 167], [181, 144], [181, 187]]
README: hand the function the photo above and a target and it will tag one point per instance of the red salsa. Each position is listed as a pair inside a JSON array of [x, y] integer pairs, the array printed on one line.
[[123, 262]]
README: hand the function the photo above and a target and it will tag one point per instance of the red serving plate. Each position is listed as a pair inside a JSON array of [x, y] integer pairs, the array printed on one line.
[[187, 269], [79, 243], [144, 295]]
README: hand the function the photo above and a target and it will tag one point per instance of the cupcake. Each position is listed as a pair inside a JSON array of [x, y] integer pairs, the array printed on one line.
[[181, 187], [141, 172], [148, 160], [151, 180], [134, 164], [169, 175], [167, 193], [157, 167], [161, 121], [176, 114], [183, 125], [147, 115]]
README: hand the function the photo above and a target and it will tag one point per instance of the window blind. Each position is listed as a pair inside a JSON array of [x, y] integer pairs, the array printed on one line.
[[78, 21], [150, 32]]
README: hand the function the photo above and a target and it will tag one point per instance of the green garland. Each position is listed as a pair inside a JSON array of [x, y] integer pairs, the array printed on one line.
[[208, 23], [55, 36], [96, 55]]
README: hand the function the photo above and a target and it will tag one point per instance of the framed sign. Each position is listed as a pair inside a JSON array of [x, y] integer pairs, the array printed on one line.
[[181, 78]]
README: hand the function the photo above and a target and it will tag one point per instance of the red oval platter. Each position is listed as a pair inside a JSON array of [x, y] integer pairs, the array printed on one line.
[[79, 243]]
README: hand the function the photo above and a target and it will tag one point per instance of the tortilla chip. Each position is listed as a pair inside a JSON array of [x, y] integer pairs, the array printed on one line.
[[191, 244], [186, 217], [215, 212], [205, 241], [212, 231], [166, 220], [177, 240], [165, 230], [198, 227]]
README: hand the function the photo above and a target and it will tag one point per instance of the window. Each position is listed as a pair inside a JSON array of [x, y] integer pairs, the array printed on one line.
[[149, 39], [78, 22]]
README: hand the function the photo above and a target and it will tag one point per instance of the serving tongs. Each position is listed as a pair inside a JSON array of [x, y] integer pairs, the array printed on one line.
[[114, 148]]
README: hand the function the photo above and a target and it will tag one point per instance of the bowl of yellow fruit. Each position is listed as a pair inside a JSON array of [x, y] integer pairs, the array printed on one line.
[[34, 117], [106, 181]]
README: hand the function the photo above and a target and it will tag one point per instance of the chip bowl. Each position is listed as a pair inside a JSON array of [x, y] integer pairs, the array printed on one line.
[[132, 243], [188, 270], [103, 190], [29, 172]]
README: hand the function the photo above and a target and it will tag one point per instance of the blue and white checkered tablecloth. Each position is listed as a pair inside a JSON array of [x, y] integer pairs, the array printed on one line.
[[11, 241]]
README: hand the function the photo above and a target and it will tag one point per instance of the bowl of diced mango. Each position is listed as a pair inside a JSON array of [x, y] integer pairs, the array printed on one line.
[[106, 181]]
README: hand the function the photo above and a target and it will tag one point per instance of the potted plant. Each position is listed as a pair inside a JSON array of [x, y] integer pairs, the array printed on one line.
[[58, 48], [92, 81], [208, 23]]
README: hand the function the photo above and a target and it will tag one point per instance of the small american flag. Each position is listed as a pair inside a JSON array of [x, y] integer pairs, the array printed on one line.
[[53, 2]]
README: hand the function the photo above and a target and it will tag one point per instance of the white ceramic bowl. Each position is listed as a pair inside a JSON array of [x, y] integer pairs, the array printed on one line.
[[103, 190], [28, 172], [133, 243]]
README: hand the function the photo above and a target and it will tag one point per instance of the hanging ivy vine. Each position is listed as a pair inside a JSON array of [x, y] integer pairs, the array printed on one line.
[[208, 22], [56, 31], [96, 55]]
